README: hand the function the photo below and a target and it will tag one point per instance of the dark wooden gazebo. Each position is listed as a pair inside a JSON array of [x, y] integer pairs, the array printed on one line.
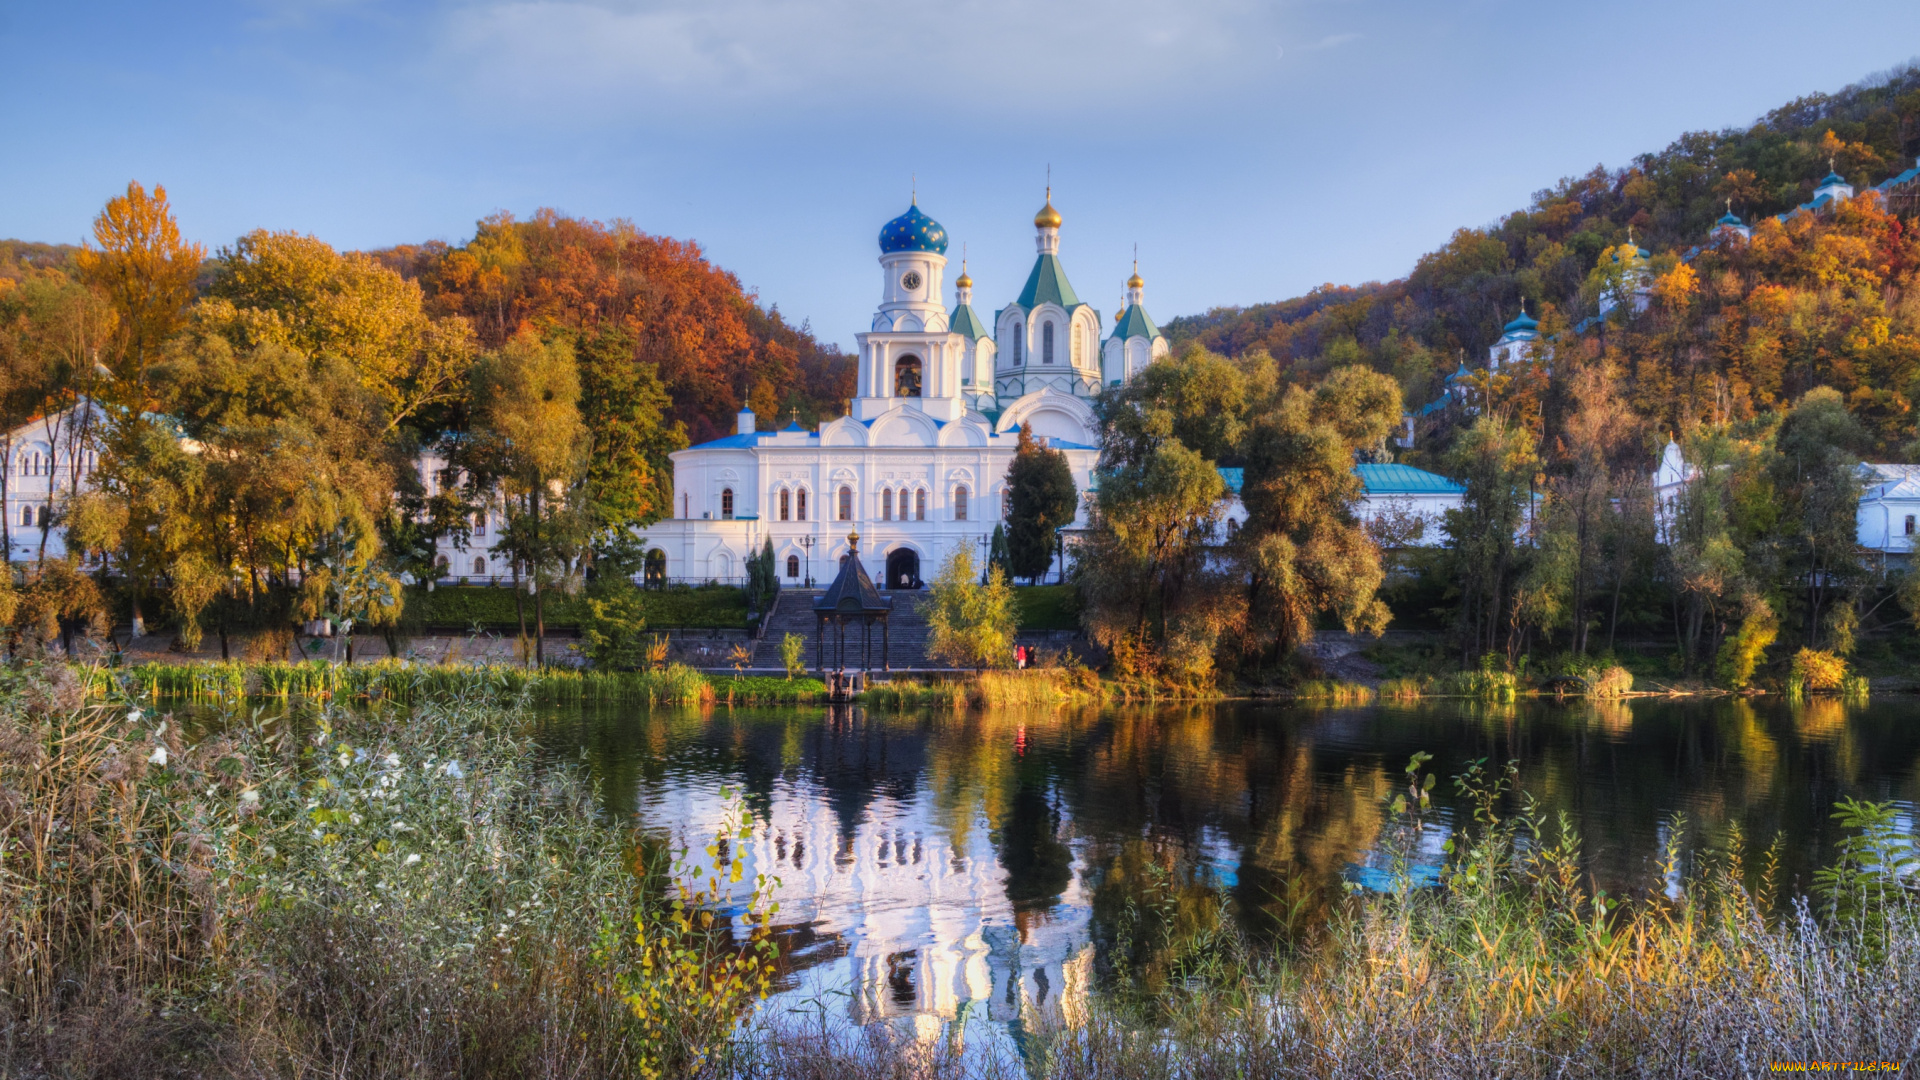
[[852, 598]]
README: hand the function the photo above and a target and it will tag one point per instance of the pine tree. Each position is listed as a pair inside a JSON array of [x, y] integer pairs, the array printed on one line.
[[997, 555]]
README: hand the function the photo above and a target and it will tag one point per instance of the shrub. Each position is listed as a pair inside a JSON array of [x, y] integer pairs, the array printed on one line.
[[381, 892], [1818, 669], [1743, 652], [1610, 681], [793, 655]]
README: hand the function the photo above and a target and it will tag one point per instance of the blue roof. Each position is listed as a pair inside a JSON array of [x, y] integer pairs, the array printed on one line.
[[1460, 376], [1833, 178], [1523, 323], [734, 442], [794, 426], [1405, 480], [1234, 478], [913, 231], [1729, 218]]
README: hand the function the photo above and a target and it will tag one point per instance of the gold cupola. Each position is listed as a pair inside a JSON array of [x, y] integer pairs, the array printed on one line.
[[1048, 217]]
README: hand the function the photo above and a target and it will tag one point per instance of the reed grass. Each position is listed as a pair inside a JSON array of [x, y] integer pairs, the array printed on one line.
[[407, 682], [992, 689], [1336, 691]]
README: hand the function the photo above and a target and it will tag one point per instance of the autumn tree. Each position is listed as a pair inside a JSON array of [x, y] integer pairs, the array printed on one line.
[[295, 291], [145, 271], [970, 622], [1495, 462]]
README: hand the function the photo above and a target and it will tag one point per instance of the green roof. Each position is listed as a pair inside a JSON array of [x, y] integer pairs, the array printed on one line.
[[1404, 480], [1135, 323], [1048, 285], [964, 321]]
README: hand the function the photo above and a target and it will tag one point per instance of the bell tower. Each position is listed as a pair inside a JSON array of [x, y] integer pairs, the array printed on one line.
[[910, 356]]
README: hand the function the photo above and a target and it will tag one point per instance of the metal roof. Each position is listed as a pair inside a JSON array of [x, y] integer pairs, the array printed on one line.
[[1405, 480], [1048, 285]]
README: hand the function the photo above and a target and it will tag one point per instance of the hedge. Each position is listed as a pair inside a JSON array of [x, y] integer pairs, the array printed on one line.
[[1047, 607], [703, 607]]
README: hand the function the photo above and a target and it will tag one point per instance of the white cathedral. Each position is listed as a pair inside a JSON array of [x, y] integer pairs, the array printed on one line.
[[918, 465]]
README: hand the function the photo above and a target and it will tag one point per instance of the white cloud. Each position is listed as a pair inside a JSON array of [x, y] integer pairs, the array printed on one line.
[[728, 55], [1332, 41]]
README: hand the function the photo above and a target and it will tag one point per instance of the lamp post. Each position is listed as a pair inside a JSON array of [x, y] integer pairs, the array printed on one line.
[[807, 543]]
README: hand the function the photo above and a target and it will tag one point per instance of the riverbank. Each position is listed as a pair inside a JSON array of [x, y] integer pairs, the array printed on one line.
[[400, 889]]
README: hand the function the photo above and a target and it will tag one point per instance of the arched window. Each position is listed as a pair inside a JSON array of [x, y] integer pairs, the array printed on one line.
[[1046, 344], [1006, 502], [846, 504], [26, 517], [479, 566], [726, 504], [480, 524], [440, 563], [686, 510], [801, 496], [1075, 355], [906, 377], [786, 497], [886, 505], [1018, 334], [960, 503], [920, 505], [793, 566]]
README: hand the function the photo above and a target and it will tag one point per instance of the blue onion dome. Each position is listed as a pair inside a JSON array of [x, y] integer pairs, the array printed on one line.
[[1729, 218], [913, 231], [1524, 322], [1832, 179]]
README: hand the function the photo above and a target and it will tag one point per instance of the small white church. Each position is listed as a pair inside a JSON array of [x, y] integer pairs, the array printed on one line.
[[918, 465]]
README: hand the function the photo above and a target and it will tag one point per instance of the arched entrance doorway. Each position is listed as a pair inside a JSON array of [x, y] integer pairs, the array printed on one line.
[[903, 569], [655, 571]]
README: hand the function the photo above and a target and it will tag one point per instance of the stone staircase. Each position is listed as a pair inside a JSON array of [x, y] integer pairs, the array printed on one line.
[[794, 615]]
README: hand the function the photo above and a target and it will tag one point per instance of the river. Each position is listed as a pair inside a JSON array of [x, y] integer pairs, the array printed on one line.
[[934, 866]]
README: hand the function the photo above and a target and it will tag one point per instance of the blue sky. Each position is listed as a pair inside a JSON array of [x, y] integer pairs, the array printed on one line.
[[1251, 150]]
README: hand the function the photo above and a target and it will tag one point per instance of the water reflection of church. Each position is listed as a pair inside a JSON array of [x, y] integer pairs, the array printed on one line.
[[909, 890]]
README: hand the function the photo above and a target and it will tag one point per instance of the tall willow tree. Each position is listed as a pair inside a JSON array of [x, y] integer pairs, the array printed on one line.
[[530, 450]]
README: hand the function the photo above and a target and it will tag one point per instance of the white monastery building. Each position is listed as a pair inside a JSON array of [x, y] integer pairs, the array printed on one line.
[[918, 465]]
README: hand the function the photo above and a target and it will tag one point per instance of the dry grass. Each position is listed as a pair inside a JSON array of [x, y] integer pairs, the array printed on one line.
[[383, 893]]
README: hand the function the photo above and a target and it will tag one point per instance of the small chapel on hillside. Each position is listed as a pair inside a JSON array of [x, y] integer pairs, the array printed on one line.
[[918, 464]]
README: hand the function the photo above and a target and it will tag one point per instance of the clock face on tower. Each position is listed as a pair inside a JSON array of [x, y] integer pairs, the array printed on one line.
[[910, 281]]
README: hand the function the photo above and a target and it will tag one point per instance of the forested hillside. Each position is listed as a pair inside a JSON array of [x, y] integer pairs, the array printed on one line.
[[1818, 302], [716, 350]]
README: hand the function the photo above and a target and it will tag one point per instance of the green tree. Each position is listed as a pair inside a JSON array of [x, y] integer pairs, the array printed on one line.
[[1302, 548], [528, 449], [1143, 569], [997, 555], [623, 406], [970, 625], [1041, 501]]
